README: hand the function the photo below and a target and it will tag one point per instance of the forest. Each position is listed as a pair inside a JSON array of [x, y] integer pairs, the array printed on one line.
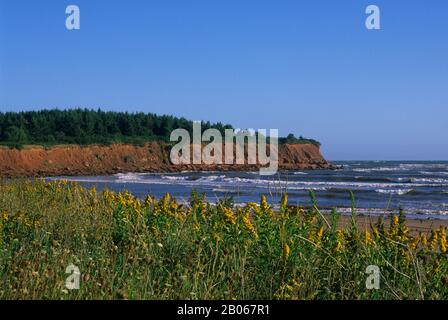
[[84, 127]]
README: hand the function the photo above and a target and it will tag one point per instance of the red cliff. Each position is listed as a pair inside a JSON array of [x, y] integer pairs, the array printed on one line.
[[151, 157]]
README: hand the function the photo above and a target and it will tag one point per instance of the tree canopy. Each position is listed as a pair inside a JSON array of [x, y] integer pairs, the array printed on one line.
[[84, 126]]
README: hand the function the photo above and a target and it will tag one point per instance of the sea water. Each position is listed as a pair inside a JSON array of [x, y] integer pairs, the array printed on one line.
[[420, 188]]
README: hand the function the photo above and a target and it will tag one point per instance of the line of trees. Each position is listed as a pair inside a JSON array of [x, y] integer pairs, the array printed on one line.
[[291, 139], [83, 126]]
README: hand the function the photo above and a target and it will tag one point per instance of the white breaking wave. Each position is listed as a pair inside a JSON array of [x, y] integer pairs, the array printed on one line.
[[379, 169], [174, 178], [410, 166], [130, 177], [405, 167], [211, 178], [237, 182], [399, 192], [433, 180], [434, 173]]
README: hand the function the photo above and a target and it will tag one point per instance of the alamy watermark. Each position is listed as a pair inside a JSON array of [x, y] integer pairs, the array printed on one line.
[[373, 279], [73, 17], [373, 21], [191, 151], [72, 282]]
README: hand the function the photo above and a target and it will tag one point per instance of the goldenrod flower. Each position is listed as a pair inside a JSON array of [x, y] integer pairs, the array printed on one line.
[[264, 205], [5, 216], [434, 240], [286, 251], [230, 215], [148, 201], [203, 208], [284, 201], [376, 233], [423, 240], [367, 237], [249, 226], [437, 268], [393, 230], [254, 207], [442, 239], [320, 233], [339, 241], [395, 221]]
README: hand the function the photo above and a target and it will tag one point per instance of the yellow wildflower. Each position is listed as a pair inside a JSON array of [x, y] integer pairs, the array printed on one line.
[[423, 240], [148, 201], [414, 243], [320, 233], [229, 215], [376, 233], [367, 237], [253, 206], [442, 239], [284, 201], [339, 241], [286, 251], [265, 208], [434, 240], [395, 221], [249, 226]]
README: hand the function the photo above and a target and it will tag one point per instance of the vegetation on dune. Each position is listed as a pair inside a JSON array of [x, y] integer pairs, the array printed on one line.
[[83, 126], [161, 249]]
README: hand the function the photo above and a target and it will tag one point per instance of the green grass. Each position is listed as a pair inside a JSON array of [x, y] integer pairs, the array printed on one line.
[[127, 248]]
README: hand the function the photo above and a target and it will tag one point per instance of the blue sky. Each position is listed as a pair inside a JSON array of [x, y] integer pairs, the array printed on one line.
[[307, 67]]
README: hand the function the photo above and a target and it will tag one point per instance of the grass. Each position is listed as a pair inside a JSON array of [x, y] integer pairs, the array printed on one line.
[[126, 248]]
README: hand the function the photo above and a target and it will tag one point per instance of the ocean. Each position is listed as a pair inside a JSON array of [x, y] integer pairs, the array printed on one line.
[[420, 188]]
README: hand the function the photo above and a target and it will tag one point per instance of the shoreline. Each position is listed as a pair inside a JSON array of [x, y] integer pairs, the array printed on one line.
[[415, 225], [343, 209], [420, 221]]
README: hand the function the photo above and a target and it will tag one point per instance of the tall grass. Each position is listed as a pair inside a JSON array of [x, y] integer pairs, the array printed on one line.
[[126, 248]]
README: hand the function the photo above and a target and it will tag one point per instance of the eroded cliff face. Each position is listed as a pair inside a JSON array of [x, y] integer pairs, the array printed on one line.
[[151, 157]]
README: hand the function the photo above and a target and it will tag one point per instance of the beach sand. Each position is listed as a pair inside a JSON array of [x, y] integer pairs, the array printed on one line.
[[415, 225]]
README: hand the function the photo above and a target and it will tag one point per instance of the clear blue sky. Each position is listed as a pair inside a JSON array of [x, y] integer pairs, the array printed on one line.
[[307, 67]]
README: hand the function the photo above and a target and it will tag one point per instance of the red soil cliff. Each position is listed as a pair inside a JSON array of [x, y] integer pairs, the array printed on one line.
[[151, 157]]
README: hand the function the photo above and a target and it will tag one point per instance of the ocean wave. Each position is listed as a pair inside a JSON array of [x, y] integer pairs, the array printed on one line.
[[434, 173], [211, 178], [226, 190], [298, 188], [344, 184], [379, 179], [424, 165], [431, 180], [399, 192], [175, 178], [404, 167], [378, 169], [240, 182], [129, 177]]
